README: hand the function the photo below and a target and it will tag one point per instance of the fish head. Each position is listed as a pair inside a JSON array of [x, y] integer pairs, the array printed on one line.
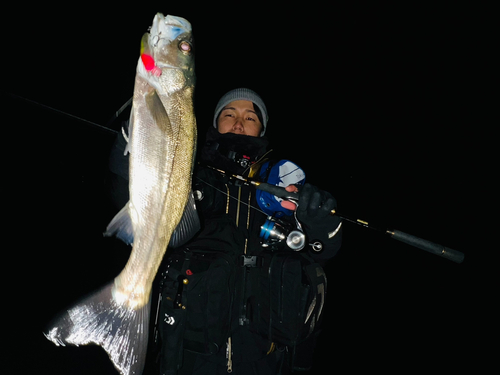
[[170, 43]]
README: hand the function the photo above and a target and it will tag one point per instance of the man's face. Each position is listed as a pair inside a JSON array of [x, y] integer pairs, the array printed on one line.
[[239, 117]]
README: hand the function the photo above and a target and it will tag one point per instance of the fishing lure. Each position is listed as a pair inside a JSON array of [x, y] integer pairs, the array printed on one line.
[[147, 57]]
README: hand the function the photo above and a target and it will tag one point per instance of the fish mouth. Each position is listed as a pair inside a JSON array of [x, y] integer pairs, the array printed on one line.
[[169, 27], [167, 66], [175, 21], [175, 25]]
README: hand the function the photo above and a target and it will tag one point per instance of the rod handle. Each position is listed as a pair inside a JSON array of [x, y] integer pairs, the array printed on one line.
[[431, 247]]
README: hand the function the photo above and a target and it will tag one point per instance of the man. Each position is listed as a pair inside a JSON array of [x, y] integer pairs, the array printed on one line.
[[233, 215], [218, 310]]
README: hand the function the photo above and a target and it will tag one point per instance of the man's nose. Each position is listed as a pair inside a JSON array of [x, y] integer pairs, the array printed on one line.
[[238, 124]]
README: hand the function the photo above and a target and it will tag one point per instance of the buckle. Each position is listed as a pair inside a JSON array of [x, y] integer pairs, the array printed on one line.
[[251, 261]]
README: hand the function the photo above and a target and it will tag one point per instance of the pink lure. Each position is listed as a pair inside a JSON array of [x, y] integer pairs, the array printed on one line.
[[149, 64]]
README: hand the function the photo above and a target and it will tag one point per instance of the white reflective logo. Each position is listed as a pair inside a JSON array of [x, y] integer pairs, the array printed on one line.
[[169, 319]]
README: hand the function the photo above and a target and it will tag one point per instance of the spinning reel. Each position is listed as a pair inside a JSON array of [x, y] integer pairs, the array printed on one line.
[[275, 233]]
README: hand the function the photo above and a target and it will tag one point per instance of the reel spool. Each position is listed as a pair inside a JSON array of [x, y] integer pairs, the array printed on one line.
[[275, 231]]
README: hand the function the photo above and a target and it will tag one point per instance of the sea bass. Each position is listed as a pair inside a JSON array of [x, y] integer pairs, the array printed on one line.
[[161, 210]]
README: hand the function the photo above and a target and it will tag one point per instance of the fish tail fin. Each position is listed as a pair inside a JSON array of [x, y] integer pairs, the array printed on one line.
[[120, 330]]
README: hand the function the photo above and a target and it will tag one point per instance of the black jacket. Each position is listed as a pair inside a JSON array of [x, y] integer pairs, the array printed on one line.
[[222, 203], [230, 223]]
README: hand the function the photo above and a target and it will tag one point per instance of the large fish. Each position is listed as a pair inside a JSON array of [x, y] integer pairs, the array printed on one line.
[[161, 211]]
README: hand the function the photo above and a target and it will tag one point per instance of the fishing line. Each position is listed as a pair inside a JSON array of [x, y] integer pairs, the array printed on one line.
[[14, 96], [116, 114], [230, 196], [437, 249]]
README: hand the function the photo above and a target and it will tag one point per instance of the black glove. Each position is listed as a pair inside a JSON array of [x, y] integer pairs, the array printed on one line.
[[314, 213]]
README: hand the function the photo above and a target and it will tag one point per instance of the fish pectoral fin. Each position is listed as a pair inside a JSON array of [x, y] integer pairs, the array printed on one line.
[[121, 226], [157, 110], [120, 330], [128, 134], [188, 226]]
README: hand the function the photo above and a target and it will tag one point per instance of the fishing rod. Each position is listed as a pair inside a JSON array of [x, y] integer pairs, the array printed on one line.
[[431, 247]]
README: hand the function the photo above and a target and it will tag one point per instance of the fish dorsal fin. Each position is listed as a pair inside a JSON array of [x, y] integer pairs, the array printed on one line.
[[188, 226]]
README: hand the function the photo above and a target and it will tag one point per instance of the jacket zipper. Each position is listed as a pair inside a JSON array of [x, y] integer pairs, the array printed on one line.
[[229, 356]]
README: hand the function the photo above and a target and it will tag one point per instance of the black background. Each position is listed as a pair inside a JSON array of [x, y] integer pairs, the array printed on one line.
[[373, 101]]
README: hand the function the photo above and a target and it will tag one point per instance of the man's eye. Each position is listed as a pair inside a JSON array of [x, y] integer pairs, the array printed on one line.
[[251, 119]]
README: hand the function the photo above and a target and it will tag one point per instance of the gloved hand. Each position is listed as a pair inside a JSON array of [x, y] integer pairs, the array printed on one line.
[[314, 212]]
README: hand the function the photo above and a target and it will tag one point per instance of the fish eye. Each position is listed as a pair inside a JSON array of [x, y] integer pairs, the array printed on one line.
[[185, 47]]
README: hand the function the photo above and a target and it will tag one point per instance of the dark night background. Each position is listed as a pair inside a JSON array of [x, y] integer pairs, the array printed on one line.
[[373, 101]]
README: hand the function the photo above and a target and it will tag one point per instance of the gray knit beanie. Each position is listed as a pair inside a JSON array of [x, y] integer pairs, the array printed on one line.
[[242, 94]]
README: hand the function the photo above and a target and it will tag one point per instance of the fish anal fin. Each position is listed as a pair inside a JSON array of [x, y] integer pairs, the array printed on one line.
[[188, 226], [120, 330], [121, 226]]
